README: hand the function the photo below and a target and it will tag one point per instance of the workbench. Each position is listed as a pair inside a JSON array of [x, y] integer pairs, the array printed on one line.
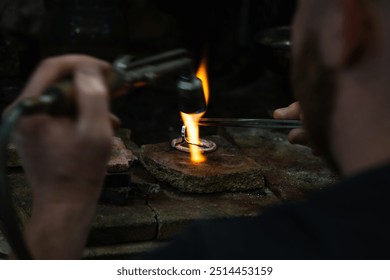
[[144, 213]]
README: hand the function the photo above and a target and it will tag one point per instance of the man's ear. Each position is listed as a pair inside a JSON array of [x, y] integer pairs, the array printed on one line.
[[358, 27]]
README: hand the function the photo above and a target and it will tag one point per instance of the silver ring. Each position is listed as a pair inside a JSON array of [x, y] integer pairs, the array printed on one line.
[[206, 146]]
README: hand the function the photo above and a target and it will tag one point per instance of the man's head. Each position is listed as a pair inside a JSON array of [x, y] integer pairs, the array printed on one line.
[[337, 46]]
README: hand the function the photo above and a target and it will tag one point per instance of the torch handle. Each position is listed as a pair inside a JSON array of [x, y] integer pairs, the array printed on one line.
[[60, 98]]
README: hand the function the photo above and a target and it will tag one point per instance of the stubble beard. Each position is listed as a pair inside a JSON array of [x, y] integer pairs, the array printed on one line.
[[314, 85]]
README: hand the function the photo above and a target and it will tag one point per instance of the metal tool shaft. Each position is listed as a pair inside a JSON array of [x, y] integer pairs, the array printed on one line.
[[238, 122]]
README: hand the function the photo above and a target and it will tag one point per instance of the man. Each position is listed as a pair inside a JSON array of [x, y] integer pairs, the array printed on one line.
[[341, 53]]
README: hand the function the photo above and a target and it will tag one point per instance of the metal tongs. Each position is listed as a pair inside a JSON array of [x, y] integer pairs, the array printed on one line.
[[262, 123]]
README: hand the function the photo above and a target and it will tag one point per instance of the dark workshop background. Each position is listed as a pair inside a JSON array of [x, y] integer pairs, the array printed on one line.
[[246, 79]]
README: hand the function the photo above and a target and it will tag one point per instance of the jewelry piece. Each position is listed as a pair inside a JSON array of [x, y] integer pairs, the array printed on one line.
[[182, 143]]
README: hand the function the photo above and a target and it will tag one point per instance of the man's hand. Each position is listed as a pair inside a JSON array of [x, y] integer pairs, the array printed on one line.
[[65, 158], [296, 135]]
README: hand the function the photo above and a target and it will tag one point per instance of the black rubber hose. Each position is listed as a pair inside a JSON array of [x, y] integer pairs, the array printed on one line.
[[7, 210]]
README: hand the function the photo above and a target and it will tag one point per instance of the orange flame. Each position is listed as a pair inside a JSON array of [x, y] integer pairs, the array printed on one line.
[[202, 75], [191, 120]]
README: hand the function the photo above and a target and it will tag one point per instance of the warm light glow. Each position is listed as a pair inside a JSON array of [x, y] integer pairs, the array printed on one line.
[[191, 120]]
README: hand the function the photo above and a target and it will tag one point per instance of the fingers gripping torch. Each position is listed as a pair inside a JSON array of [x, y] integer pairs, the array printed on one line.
[[59, 99]]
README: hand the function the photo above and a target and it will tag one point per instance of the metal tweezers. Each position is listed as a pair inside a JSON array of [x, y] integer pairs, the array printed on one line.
[[238, 122]]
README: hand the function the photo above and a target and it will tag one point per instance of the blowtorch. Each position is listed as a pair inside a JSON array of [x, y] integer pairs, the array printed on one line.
[[60, 97]]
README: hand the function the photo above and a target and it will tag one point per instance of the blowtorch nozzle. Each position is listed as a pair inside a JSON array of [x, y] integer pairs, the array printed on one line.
[[190, 95]]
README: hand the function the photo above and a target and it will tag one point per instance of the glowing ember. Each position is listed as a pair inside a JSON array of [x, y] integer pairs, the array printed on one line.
[[191, 120]]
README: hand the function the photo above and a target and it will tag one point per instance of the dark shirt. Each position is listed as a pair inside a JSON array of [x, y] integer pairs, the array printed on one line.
[[347, 221]]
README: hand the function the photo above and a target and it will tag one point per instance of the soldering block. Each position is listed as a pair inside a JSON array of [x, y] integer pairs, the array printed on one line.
[[121, 158], [226, 169], [118, 167]]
